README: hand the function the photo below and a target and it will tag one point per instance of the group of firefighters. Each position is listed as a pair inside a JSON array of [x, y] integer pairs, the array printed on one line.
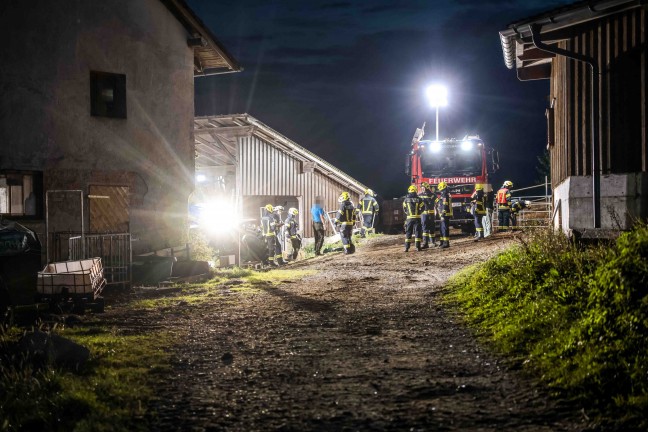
[[421, 211], [271, 228]]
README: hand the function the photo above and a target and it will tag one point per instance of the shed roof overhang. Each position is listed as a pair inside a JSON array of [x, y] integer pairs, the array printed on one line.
[[210, 56], [554, 26], [216, 138]]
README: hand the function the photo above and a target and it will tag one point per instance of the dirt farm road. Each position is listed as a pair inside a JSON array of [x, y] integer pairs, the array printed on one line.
[[362, 344]]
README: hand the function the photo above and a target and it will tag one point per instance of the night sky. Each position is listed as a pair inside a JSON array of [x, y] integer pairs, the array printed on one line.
[[346, 79]]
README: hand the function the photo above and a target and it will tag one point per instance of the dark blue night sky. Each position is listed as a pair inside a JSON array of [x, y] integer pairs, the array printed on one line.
[[346, 79]]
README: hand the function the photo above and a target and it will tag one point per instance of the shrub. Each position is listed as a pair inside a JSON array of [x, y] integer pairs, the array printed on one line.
[[576, 315]]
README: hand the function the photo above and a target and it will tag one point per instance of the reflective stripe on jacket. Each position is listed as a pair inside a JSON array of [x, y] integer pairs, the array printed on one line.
[[413, 206], [346, 213]]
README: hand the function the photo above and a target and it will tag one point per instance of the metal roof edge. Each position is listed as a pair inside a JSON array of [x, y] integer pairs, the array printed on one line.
[[328, 169], [554, 19]]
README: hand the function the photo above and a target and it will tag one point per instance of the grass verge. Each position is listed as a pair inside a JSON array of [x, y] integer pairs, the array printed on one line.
[[113, 390], [577, 316], [109, 393]]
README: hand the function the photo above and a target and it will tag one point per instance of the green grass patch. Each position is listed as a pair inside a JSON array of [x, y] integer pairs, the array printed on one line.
[[242, 281], [578, 316], [110, 392]]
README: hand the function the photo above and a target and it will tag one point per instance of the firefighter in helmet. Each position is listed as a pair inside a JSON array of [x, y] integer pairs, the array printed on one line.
[[368, 207], [345, 218], [413, 208], [478, 209], [503, 200], [444, 211], [291, 226], [427, 217], [268, 229]]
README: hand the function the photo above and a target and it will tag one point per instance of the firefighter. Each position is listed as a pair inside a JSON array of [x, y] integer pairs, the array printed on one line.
[[368, 207], [478, 209], [504, 205], [268, 226], [516, 207], [291, 225], [427, 218], [444, 210], [413, 208], [345, 218]]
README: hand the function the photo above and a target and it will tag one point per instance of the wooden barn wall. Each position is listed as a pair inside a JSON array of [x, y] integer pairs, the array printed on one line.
[[619, 44], [266, 170]]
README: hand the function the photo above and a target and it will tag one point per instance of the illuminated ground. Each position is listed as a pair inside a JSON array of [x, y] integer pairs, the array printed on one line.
[[362, 344]]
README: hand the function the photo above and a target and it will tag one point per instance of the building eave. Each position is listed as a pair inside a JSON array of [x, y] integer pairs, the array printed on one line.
[[210, 56], [555, 24]]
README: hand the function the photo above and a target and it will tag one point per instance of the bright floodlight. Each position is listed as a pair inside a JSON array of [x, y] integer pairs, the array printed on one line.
[[466, 145], [437, 95], [435, 146], [200, 178]]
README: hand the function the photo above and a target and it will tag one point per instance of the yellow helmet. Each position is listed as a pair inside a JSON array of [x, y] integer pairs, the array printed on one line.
[[411, 189], [425, 185], [442, 185], [344, 196], [479, 186], [369, 192], [508, 183], [269, 207], [293, 211]]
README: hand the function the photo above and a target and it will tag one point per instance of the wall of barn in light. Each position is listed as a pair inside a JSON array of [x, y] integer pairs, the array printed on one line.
[[619, 44], [265, 170]]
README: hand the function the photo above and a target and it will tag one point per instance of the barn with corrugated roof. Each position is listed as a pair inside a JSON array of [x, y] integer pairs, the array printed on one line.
[[252, 165]]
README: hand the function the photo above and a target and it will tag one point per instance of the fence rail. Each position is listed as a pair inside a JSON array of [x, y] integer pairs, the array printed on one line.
[[537, 215], [114, 250]]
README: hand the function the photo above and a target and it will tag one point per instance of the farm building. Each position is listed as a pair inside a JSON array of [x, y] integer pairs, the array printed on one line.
[[98, 99], [253, 165], [594, 54]]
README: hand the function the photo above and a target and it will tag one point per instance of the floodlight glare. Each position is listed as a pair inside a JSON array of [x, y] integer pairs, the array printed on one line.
[[437, 95], [466, 145], [200, 178], [435, 146]]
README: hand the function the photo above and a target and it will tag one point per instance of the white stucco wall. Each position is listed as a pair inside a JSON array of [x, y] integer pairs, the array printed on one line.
[[624, 198], [49, 49]]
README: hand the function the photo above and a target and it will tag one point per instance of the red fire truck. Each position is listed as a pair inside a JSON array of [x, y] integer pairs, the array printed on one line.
[[461, 163]]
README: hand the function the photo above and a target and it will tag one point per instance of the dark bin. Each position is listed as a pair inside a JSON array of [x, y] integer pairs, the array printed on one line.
[[152, 269], [20, 261]]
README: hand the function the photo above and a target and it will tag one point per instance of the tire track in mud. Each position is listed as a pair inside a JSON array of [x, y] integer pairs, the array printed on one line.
[[363, 344]]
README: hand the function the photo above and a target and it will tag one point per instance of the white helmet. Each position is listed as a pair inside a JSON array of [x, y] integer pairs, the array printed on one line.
[[293, 211], [278, 209]]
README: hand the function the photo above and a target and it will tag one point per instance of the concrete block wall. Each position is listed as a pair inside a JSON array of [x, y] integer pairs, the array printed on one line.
[[624, 199]]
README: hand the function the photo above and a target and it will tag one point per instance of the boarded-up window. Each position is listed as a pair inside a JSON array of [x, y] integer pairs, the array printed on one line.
[[109, 209]]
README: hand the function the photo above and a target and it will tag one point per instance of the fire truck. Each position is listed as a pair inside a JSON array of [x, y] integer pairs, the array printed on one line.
[[461, 163]]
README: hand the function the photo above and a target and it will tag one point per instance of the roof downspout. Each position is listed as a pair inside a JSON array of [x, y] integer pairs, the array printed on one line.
[[596, 178]]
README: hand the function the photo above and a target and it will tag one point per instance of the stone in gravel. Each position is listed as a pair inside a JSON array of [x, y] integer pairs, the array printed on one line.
[[227, 358]]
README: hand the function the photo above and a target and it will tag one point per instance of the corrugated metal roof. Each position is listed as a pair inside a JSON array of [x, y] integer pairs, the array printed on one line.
[[214, 145]]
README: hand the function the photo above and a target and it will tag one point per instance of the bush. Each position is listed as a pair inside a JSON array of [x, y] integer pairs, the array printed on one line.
[[578, 316]]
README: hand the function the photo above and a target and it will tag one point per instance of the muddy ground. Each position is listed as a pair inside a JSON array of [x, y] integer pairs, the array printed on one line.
[[364, 344]]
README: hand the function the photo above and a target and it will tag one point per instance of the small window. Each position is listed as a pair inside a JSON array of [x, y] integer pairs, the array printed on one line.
[[21, 194], [107, 94]]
